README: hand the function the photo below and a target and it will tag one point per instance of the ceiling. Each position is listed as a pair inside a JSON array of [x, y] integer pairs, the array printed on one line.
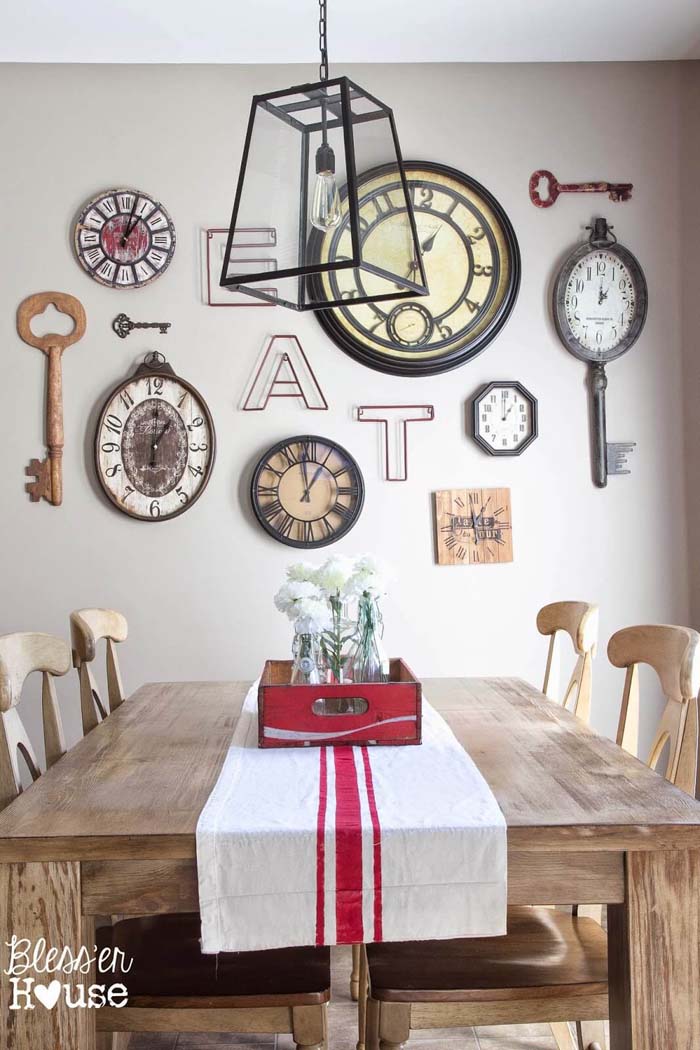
[[359, 30]]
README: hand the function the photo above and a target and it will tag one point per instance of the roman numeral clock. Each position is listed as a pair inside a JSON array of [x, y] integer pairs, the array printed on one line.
[[471, 259], [124, 238]]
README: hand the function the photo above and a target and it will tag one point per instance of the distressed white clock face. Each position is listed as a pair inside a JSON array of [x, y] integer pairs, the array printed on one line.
[[600, 301], [154, 447], [505, 418], [124, 238]]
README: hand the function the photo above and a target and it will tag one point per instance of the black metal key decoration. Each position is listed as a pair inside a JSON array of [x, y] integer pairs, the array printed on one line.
[[123, 325], [600, 306]]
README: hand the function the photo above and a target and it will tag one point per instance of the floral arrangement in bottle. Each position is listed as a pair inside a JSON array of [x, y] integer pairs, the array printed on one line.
[[348, 647], [307, 608]]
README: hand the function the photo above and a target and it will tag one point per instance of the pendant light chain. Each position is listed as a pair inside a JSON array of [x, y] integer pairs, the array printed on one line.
[[322, 40]]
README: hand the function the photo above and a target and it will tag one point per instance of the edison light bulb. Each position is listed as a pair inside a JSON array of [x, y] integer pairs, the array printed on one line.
[[325, 205]]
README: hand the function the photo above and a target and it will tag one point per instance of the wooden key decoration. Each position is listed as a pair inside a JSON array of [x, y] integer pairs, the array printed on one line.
[[616, 191], [48, 472]]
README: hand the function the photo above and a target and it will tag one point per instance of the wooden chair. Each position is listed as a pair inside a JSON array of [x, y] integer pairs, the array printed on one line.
[[674, 653], [21, 655], [551, 966], [580, 621], [174, 988], [87, 628]]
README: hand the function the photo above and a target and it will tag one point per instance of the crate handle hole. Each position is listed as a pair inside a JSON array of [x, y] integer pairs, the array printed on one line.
[[340, 705]]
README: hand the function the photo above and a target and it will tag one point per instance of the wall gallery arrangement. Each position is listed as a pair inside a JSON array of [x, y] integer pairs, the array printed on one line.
[[412, 268]]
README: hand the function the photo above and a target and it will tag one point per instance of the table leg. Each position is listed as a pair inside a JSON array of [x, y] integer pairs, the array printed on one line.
[[654, 954], [43, 900]]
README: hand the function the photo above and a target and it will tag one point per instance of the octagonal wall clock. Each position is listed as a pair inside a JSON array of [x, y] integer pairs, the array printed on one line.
[[124, 238], [504, 418], [472, 263]]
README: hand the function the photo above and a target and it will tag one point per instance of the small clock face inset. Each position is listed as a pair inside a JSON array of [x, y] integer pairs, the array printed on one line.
[[473, 526], [124, 239], [505, 418], [307, 492], [154, 446]]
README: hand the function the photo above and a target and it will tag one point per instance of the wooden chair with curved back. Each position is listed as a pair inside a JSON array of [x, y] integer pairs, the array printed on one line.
[[580, 621], [674, 653], [87, 628], [549, 961], [20, 655]]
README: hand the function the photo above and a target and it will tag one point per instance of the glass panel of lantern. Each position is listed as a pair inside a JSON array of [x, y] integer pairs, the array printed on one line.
[[312, 164]]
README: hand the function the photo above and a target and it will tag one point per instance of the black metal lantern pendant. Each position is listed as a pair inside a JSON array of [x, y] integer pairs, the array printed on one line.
[[306, 152]]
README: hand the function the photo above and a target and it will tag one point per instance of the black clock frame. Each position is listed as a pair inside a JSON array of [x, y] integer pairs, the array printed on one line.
[[434, 366], [512, 384], [152, 367], [264, 522]]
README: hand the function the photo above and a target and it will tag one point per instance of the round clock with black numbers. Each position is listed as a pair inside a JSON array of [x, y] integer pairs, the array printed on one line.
[[600, 298], [124, 238], [155, 443], [472, 263], [307, 491], [504, 418]]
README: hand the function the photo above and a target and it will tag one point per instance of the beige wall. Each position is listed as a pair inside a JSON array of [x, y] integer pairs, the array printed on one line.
[[197, 591]]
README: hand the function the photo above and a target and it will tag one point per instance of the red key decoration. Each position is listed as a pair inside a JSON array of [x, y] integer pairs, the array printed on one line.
[[616, 191]]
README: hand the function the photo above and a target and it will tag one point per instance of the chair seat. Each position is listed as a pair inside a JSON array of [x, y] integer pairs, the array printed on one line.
[[545, 953], [168, 965]]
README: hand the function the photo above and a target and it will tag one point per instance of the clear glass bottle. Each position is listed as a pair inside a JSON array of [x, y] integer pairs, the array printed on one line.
[[368, 661], [305, 650]]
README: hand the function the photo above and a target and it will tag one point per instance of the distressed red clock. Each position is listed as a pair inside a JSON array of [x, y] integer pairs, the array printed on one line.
[[124, 238]]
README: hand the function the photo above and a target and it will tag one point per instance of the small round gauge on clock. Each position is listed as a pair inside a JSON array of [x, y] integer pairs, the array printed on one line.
[[307, 491], [600, 298], [504, 418], [154, 443], [124, 238]]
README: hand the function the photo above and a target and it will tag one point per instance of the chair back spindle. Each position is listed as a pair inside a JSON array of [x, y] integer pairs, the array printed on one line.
[[674, 654], [580, 621], [20, 655], [87, 628]]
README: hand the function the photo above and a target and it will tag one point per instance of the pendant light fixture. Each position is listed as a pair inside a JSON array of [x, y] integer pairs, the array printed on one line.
[[309, 157]]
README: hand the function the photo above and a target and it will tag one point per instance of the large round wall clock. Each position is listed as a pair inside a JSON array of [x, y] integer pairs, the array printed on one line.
[[154, 443], [472, 262], [307, 491], [124, 238]]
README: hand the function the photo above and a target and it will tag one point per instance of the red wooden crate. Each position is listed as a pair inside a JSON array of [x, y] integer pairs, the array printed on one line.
[[350, 714]]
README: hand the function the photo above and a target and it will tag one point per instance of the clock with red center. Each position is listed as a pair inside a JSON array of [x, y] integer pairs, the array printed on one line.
[[124, 238]]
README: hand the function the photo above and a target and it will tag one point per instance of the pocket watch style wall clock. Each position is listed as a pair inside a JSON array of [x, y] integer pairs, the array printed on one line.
[[504, 418], [600, 306], [124, 238], [473, 526], [155, 443], [472, 262], [307, 491]]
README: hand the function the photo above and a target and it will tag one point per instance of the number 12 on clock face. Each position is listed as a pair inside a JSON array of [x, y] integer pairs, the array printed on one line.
[[473, 527]]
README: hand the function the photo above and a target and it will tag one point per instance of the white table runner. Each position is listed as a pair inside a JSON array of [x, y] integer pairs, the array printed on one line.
[[344, 845]]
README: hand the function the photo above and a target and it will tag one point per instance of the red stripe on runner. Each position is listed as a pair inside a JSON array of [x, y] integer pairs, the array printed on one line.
[[348, 849], [376, 846], [321, 849]]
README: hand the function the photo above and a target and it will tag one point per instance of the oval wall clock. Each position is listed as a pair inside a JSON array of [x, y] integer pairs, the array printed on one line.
[[154, 443], [124, 238], [307, 491], [472, 261]]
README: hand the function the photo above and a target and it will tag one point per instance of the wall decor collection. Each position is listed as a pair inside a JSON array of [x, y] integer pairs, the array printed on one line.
[[616, 191], [600, 306], [504, 418], [394, 420], [473, 527], [283, 371], [154, 443], [48, 472], [124, 326], [124, 238]]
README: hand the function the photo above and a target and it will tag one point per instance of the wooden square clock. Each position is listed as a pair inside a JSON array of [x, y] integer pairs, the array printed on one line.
[[473, 526]]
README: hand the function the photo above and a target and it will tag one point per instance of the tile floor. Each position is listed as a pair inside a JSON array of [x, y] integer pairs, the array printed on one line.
[[343, 1030]]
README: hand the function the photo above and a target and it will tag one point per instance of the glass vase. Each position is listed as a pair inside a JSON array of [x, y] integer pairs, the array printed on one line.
[[334, 642], [368, 661], [306, 652]]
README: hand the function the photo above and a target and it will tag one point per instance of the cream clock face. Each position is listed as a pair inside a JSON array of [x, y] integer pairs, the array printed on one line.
[[505, 418], [154, 446], [473, 526], [600, 300]]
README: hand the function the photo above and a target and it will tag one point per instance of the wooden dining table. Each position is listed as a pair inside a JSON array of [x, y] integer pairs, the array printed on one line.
[[110, 830]]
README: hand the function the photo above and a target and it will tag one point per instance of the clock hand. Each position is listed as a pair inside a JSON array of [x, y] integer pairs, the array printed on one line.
[[476, 534], [427, 244], [130, 224], [152, 461], [305, 497], [305, 475]]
